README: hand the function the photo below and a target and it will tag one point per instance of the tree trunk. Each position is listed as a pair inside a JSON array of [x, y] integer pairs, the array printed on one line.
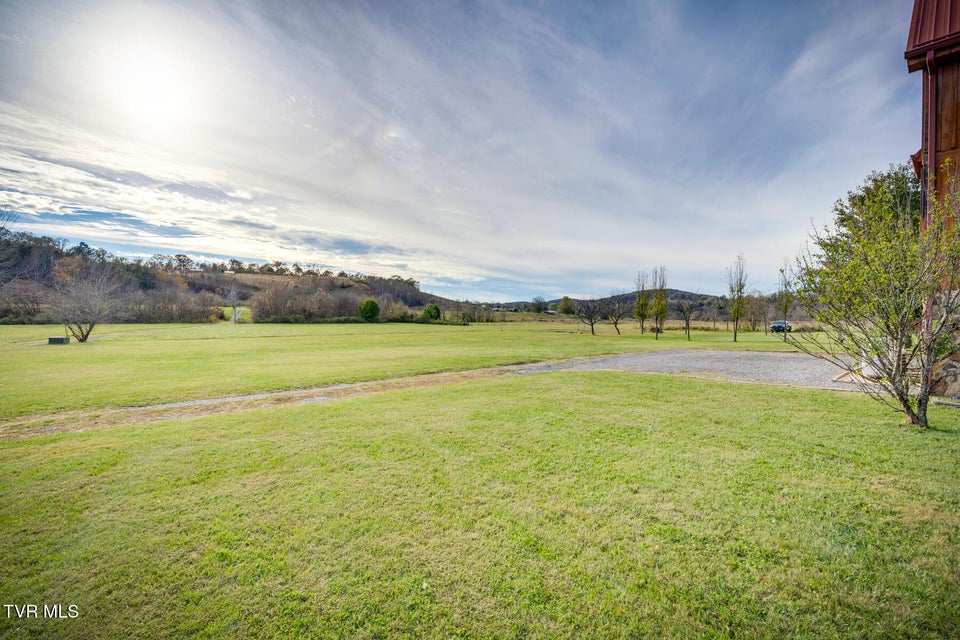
[[921, 415], [914, 418], [80, 332], [926, 372], [923, 393]]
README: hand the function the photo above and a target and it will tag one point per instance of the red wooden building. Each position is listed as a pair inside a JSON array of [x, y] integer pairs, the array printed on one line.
[[933, 47]]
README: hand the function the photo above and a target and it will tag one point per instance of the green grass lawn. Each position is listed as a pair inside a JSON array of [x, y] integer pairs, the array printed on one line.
[[558, 505], [131, 365], [577, 505]]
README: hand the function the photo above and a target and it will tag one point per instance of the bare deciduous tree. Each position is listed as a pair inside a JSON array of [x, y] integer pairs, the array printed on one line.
[[86, 293], [590, 311], [8, 250], [7, 220], [785, 296], [685, 311], [658, 307], [737, 282], [233, 298], [755, 310], [618, 305]]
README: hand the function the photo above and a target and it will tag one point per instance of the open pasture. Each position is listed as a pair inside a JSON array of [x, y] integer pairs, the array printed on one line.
[[573, 504], [135, 365]]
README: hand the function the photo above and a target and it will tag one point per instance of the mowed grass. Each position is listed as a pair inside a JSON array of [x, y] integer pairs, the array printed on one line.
[[572, 505], [135, 365]]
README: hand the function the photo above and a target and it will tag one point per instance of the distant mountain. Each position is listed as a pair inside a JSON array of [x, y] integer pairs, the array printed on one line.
[[673, 295]]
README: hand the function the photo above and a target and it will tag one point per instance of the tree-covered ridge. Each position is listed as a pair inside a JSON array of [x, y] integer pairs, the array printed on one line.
[[178, 288], [42, 280]]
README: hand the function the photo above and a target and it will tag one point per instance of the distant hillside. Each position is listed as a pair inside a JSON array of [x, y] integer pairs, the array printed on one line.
[[175, 288], [673, 296], [39, 274], [759, 310]]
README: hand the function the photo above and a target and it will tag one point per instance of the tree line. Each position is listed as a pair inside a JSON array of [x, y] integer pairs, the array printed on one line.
[[652, 304], [42, 280]]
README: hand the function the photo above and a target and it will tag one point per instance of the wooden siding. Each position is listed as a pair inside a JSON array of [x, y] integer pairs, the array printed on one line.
[[948, 83], [948, 124]]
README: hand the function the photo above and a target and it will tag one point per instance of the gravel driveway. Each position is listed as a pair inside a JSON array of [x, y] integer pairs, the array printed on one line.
[[794, 369]]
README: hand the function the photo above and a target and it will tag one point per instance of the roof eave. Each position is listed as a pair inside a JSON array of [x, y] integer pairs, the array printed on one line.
[[942, 48]]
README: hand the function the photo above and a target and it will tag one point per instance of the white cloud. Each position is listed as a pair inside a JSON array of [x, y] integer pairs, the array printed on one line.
[[515, 151]]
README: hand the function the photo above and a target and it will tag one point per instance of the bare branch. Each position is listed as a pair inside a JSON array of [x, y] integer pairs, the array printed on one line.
[[590, 311]]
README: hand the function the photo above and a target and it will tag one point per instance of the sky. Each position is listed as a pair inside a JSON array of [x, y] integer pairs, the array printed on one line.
[[491, 150]]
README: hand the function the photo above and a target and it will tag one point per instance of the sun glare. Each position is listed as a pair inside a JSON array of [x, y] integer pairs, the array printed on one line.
[[144, 70], [146, 86], [149, 90]]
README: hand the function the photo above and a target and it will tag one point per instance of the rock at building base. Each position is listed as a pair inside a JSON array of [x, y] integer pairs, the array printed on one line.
[[945, 378]]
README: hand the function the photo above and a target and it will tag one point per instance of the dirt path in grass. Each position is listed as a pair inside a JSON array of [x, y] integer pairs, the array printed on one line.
[[86, 419], [791, 369]]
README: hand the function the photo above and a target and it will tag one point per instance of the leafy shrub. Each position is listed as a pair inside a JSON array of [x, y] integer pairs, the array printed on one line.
[[397, 312], [369, 310]]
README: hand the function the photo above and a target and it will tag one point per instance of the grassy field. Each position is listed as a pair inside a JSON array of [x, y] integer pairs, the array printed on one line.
[[131, 365], [567, 505]]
